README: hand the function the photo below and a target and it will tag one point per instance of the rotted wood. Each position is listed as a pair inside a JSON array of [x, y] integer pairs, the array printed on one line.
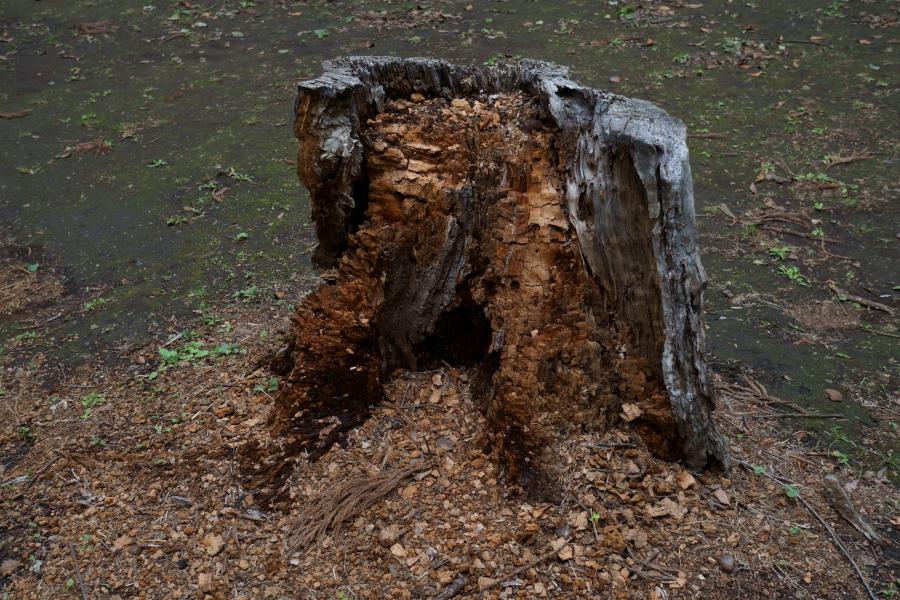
[[511, 220]]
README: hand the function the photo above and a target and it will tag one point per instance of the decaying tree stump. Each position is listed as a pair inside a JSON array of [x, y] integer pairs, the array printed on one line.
[[505, 218]]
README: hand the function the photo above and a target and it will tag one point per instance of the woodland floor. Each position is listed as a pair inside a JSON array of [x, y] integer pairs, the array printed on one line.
[[126, 440]]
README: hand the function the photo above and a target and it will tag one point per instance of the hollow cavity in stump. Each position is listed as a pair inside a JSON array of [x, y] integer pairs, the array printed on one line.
[[484, 228]]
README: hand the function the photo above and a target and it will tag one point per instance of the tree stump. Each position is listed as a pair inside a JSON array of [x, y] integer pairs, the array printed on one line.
[[506, 219]]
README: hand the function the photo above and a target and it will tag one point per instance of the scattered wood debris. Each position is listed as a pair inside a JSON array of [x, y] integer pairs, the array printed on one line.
[[16, 115], [840, 159], [98, 28]]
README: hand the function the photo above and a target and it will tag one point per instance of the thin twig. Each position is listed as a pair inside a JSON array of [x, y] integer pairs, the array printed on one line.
[[808, 236], [77, 569], [610, 445], [539, 559], [833, 255], [174, 338], [882, 333], [834, 536], [811, 43], [38, 474], [799, 416]]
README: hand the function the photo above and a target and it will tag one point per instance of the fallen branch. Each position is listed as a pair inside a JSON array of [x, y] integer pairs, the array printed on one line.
[[98, 28], [792, 218], [15, 115], [610, 445], [881, 333], [77, 569], [843, 296], [800, 416], [174, 338], [538, 560], [39, 473], [453, 589], [832, 255], [811, 43], [840, 159], [808, 236], [172, 37], [834, 536], [839, 500]]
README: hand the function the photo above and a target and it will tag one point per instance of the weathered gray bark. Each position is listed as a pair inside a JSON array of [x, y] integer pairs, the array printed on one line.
[[624, 188]]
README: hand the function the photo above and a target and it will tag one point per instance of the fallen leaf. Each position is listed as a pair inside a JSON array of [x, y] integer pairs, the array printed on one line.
[[539, 512], [469, 7], [173, 96], [295, 14], [615, 79], [753, 189], [685, 480], [722, 496], [866, 42], [833, 395], [816, 38], [763, 536], [9, 565], [807, 578], [755, 74], [788, 377], [122, 542], [727, 212]]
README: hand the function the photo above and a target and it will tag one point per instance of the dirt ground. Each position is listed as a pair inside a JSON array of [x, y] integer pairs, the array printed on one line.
[[155, 240]]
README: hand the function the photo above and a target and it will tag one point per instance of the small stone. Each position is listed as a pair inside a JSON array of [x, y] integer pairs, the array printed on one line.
[[417, 98], [834, 395], [897, 236], [727, 562], [182, 564], [615, 79]]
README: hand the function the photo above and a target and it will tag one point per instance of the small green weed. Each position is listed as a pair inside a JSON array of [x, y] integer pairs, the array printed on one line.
[[793, 273]]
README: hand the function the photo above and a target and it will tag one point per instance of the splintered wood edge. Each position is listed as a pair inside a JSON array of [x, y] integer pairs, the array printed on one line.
[[590, 122]]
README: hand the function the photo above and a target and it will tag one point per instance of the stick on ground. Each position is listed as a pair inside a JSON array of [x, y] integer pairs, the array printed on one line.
[[77, 569], [834, 536], [842, 295]]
